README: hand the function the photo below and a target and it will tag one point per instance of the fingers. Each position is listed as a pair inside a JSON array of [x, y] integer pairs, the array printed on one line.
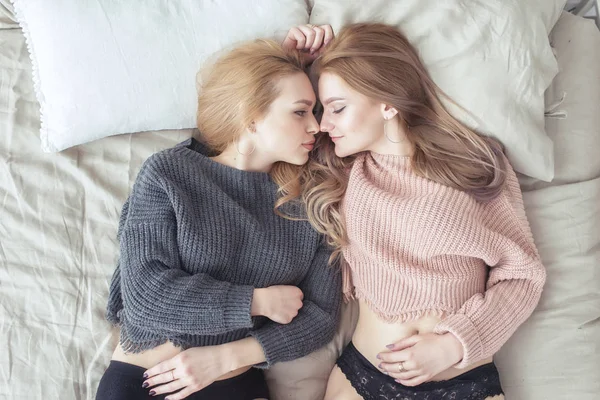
[[310, 34], [395, 356], [410, 376], [183, 393], [167, 388], [318, 42], [294, 39], [406, 375], [393, 369], [308, 37], [328, 34], [404, 343], [414, 381], [159, 379], [160, 368]]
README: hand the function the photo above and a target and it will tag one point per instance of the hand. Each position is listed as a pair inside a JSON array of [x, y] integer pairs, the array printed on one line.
[[189, 371], [278, 303], [309, 38], [418, 358]]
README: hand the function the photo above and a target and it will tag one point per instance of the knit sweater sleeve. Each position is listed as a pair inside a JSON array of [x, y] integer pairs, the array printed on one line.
[[317, 320], [158, 294], [516, 278]]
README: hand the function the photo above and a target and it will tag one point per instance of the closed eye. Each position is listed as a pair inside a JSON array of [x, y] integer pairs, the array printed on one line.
[[339, 110], [301, 113]]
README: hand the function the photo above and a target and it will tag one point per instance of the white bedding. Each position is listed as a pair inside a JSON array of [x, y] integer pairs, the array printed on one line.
[[58, 221]]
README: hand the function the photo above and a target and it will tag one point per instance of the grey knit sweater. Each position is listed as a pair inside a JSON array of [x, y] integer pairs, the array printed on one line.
[[196, 237]]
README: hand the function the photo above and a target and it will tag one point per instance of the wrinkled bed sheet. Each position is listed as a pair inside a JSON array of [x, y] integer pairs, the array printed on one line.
[[58, 248]]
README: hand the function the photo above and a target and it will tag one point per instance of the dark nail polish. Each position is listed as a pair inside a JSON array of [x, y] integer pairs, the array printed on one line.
[[145, 385], [379, 366], [390, 346], [152, 393], [145, 375]]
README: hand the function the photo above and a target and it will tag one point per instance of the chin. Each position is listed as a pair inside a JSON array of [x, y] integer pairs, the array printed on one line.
[[299, 160], [341, 152]]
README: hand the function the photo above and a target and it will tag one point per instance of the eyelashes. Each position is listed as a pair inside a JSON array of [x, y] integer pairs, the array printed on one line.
[[339, 110]]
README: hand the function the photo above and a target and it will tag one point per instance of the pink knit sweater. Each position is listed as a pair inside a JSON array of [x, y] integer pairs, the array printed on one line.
[[418, 247]]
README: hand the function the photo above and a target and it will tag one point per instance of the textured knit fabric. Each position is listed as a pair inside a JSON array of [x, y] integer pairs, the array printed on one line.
[[417, 247], [196, 238]]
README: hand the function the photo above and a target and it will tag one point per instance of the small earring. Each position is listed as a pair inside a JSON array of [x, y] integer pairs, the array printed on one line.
[[237, 147], [385, 132]]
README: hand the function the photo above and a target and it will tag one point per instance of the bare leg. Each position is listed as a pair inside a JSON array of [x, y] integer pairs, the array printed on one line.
[[340, 388]]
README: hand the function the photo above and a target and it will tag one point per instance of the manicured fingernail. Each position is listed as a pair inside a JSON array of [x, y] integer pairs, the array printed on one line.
[[145, 375], [380, 366], [145, 385], [378, 357], [152, 393], [397, 380], [390, 346]]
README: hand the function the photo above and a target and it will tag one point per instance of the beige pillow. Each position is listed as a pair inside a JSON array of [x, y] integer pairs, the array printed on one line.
[[306, 378], [555, 354]]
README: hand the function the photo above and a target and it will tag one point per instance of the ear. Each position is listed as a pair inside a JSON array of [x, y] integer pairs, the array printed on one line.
[[388, 112]]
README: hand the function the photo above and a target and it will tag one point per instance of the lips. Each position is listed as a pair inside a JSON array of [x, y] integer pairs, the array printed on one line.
[[334, 138], [309, 145]]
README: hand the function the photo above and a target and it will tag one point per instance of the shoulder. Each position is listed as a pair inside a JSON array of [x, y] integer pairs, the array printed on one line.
[[168, 165], [161, 161]]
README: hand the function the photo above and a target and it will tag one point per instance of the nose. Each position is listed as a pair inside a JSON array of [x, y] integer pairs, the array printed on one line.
[[326, 126], [313, 127]]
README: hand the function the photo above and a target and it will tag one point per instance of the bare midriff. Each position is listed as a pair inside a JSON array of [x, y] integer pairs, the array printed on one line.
[[373, 334]]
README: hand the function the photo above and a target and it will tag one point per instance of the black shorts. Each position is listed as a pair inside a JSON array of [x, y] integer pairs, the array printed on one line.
[[123, 381], [372, 384]]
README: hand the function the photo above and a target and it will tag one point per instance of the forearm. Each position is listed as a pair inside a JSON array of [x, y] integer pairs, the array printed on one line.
[[170, 301], [244, 352], [311, 329], [486, 321]]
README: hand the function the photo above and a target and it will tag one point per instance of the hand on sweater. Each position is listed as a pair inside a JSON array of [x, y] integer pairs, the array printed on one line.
[[418, 358], [278, 303]]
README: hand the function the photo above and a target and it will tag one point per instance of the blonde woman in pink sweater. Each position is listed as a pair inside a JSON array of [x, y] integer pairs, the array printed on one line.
[[428, 217]]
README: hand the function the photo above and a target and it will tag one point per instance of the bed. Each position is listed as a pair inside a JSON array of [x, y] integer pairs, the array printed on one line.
[[58, 246]]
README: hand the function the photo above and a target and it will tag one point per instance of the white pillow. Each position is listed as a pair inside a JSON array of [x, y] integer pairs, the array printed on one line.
[[105, 67], [492, 57]]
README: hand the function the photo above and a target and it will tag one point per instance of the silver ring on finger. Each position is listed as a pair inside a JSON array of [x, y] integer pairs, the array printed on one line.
[[401, 367]]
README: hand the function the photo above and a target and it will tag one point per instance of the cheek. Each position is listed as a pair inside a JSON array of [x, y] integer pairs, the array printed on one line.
[[280, 134]]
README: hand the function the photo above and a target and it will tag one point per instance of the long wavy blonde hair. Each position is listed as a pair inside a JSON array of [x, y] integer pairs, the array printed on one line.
[[238, 88], [377, 61]]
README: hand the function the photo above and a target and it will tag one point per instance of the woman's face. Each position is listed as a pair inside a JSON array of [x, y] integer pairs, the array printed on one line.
[[286, 133], [354, 122]]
